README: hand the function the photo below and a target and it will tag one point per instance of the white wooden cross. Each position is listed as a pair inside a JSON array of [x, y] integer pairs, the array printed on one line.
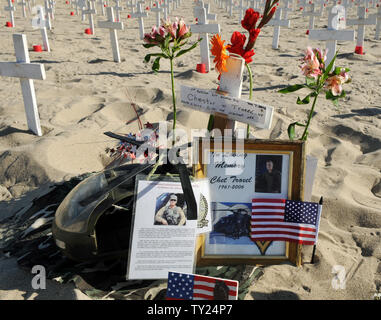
[[139, 14], [23, 7], [48, 10], [41, 23], [165, 6], [11, 9], [117, 9], [168, 3], [130, 5], [312, 14], [112, 26], [157, 9], [378, 25], [226, 103], [203, 28], [334, 32], [277, 22], [209, 16], [242, 10], [231, 7], [52, 4], [361, 22], [82, 5], [287, 6], [102, 6], [26, 71], [90, 11]]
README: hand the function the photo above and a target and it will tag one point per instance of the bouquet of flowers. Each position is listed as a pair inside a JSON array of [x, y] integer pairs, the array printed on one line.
[[239, 45]]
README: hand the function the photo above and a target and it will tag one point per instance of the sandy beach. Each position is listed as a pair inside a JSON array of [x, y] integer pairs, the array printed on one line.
[[86, 94]]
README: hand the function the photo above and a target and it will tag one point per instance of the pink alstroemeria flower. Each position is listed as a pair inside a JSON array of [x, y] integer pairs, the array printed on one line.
[[311, 66], [156, 36], [335, 82], [183, 30]]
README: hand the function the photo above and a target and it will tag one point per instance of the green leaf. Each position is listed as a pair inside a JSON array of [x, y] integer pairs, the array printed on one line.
[[187, 50], [166, 41], [291, 129], [330, 66], [149, 45], [306, 100], [337, 70], [156, 64], [292, 88], [147, 58]]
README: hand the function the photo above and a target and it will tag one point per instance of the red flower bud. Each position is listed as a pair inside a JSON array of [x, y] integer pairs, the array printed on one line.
[[250, 19]]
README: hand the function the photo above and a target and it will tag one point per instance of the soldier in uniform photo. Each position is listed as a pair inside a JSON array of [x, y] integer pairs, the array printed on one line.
[[270, 180], [171, 214]]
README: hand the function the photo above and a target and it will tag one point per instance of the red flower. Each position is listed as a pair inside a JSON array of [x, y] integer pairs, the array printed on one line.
[[250, 19], [254, 34], [238, 39], [237, 46]]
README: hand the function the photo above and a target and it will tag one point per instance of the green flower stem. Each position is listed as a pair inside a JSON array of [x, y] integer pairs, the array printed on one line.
[[250, 95], [210, 122], [319, 86], [305, 133], [173, 98]]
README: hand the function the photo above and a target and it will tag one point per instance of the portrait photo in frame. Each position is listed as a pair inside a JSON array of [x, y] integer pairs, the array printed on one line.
[[237, 173]]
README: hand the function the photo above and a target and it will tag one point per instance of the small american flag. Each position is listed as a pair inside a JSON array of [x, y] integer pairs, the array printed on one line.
[[184, 286], [285, 220]]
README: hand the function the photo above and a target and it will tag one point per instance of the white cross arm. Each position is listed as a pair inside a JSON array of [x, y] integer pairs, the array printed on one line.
[[211, 16], [280, 23], [205, 28], [314, 14], [369, 21], [90, 11], [23, 70], [111, 25], [155, 9], [139, 15], [330, 35]]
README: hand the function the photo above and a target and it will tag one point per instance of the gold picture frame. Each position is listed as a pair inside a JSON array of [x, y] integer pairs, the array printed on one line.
[[295, 151]]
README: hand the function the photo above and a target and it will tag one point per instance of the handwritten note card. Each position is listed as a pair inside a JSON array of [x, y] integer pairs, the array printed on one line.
[[209, 101]]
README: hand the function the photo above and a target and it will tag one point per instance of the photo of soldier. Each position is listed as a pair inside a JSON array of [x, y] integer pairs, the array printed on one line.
[[268, 174], [170, 210]]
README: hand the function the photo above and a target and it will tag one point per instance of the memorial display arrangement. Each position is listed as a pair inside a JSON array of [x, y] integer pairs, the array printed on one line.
[[204, 215]]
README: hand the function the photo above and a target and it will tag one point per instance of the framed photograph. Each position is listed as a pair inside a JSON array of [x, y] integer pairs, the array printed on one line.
[[237, 173]]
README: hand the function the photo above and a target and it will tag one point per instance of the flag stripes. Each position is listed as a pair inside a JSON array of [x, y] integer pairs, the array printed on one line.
[[283, 220]]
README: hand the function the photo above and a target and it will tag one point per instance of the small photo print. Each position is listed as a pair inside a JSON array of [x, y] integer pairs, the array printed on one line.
[[231, 223], [268, 174], [170, 209]]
